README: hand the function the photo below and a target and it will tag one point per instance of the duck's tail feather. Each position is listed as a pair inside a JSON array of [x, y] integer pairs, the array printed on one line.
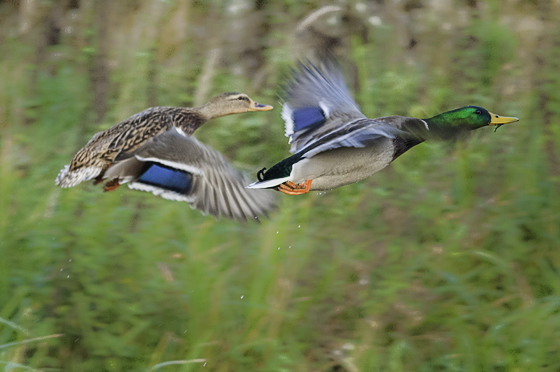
[[268, 184], [68, 178]]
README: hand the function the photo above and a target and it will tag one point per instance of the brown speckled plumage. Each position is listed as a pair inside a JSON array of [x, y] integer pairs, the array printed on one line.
[[131, 133], [118, 142]]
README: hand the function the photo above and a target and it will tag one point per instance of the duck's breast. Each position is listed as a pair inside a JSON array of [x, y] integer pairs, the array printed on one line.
[[342, 166]]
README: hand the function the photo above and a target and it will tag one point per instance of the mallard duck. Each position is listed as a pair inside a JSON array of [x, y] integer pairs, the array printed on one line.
[[334, 144], [109, 146], [178, 167]]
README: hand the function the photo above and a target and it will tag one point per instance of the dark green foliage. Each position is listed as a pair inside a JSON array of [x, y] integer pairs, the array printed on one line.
[[448, 260]]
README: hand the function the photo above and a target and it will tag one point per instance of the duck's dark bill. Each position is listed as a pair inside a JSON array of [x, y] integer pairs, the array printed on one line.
[[260, 107], [500, 120]]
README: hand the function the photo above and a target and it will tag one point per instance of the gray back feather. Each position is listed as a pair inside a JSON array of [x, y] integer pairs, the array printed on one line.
[[362, 132]]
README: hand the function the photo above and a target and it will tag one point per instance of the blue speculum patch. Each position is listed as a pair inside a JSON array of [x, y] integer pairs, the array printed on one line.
[[167, 178], [307, 117]]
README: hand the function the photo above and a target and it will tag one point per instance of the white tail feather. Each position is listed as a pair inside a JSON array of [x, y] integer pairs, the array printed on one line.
[[70, 179], [268, 183]]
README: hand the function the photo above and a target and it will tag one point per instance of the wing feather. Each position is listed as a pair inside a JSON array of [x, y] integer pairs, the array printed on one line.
[[316, 102], [218, 189], [360, 132]]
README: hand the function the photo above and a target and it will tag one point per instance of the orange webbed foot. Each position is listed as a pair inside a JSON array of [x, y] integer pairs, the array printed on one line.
[[111, 185], [290, 188]]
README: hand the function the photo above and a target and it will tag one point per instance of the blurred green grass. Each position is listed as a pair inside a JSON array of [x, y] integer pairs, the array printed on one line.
[[447, 260]]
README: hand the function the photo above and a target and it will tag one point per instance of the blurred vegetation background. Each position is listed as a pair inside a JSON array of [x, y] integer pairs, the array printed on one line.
[[446, 261]]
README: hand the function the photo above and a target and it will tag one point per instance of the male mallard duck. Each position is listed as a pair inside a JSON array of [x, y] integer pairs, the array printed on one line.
[[334, 144], [178, 167], [108, 146]]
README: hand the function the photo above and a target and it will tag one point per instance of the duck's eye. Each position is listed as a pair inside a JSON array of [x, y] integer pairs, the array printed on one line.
[[478, 112], [241, 98]]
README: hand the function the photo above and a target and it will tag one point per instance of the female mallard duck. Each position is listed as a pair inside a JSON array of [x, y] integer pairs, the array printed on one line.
[[153, 151], [107, 147], [334, 144]]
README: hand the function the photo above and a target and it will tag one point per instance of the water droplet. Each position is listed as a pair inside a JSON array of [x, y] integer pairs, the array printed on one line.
[[68, 276], [299, 226], [278, 248], [277, 232], [242, 296], [289, 247], [185, 331], [53, 238], [204, 365], [70, 260], [61, 269]]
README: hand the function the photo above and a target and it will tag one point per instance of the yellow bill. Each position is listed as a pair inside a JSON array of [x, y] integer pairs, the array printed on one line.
[[501, 120]]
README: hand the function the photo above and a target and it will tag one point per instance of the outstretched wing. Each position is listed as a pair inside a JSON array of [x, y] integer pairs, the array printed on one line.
[[178, 167], [316, 103]]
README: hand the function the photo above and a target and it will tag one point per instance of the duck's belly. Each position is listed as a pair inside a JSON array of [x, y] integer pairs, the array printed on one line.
[[342, 166]]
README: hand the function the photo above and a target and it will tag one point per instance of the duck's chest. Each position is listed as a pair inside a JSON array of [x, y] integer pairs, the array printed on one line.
[[342, 166]]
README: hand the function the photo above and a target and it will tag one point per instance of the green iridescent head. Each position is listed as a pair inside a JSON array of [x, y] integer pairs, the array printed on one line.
[[469, 118], [457, 123]]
